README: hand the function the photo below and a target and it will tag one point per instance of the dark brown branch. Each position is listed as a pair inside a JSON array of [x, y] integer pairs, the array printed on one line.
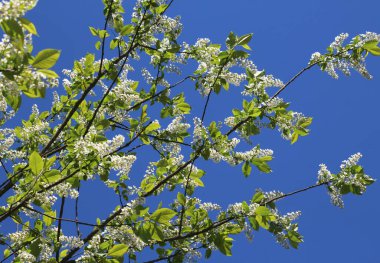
[[183, 209], [60, 226], [109, 13], [91, 235], [167, 178], [217, 224], [3, 165], [77, 213], [88, 126], [132, 46], [69, 220]]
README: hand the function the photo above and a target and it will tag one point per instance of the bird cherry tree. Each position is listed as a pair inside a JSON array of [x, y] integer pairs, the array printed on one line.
[[103, 117]]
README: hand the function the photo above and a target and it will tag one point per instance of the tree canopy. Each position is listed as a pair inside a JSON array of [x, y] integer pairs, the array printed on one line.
[[133, 103]]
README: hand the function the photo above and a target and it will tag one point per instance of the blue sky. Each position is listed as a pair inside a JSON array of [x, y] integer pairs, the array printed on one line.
[[345, 112]]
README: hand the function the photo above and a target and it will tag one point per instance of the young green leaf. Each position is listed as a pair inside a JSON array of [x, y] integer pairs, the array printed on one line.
[[163, 215], [46, 59], [118, 250], [372, 47], [36, 164], [28, 26], [246, 169]]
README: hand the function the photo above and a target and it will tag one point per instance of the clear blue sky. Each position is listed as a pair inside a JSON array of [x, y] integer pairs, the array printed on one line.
[[345, 114]]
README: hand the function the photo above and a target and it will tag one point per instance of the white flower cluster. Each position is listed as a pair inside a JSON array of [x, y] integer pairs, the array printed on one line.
[[324, 175], [127, 211], [125, 235], [341, 57], [351, 161], [272, 103], [164, 44], [71, 241], [178, 125], [205, 55], [192, 254], [349, 175], [34, 131], [86, 146], [222, 149], [237, 209], [65, 189], [147, 76], [288, 218], [315, 57], [335, 196], [255, 152], [284, 223], [200, 133], [229, 121], [123, 164], [337, 44], [9, 54], [367, 37], [262, 82], [13, 9], [17, 238], [272, 195], [91, 250], [7, 140], [46, 251], [26, 257], [125, 93], [287, 124], [45, 198], [209, 206]]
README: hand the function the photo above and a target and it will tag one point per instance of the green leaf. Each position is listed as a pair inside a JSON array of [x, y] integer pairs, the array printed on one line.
[[254, 224], [12, 100], [163, 215], [52, 176], [151, 231], [160, 9], [49, 73], [34, 92], [126, 30], [93, 31], [231, 40], [35, 248], [257, 197], [263, 221], [244, 40], [294, 137], [198, 181], [208, 253], [152, 127], [246, 47], [224, 244], [184, 107], [28, 26], [36, 164], [14, 31], [372, 47], [181, 198], [246, 168], [47, 220], [46, 58], [118, 250], [261, 164], [7, 253], [114, 43], [262, 211]]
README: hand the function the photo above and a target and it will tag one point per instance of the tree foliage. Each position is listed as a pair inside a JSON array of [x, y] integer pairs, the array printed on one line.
[[103, 118]]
